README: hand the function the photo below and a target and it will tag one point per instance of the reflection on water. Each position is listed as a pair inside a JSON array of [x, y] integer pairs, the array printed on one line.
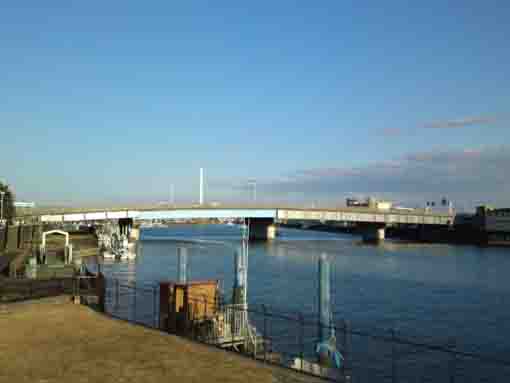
[[434, 291]]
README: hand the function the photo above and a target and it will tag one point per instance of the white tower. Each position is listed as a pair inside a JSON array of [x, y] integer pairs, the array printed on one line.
[[201, 186]]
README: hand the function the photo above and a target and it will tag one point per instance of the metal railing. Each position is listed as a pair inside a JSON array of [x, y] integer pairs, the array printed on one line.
[[286, 339], [289, 339]]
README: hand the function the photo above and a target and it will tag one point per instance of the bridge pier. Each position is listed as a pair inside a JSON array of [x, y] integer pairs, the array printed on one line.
[[125, 225], [373, 233], [261, 229]]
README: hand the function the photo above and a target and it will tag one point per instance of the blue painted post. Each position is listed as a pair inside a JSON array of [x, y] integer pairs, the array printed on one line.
[[239, 295], [326, 331], [182, 264]]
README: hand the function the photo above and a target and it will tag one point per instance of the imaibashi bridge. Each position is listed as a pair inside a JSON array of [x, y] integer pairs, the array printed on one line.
[[372, 221]]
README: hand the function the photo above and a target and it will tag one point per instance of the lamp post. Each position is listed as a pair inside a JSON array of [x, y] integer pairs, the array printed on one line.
[[2, 193]]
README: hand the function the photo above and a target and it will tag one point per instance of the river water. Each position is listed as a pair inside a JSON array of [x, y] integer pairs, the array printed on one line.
[[433, 293]]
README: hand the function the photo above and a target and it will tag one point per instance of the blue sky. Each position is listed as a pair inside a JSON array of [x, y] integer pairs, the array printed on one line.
[[113, 101]]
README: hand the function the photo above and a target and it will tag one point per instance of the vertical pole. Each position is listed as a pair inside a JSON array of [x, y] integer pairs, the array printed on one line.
[[134, 288], [205, 307], [393, 358], [117, 294], [154, 305], [453, 362], [264, 338], [246, 262], [348, 343], [169, 308], [344, 343], [2, 206], [182, 264], [201, 186], [301, 339], [326, 331], [232, 319]]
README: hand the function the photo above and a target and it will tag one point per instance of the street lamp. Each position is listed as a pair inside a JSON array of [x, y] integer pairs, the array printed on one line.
[[2, 193]]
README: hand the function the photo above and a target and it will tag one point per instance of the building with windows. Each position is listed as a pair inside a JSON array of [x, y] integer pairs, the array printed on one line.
[[495, 223]]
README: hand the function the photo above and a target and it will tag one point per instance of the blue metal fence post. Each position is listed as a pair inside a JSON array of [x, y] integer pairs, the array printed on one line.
[[264, 337], [301, 339], [393, 358], [344, 343], [453, 361]]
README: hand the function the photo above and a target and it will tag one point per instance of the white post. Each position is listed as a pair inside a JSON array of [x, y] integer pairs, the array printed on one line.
[[2, 206], [202, 191]]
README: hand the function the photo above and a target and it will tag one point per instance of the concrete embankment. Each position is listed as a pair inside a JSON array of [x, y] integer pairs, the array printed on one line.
[[51, 340]]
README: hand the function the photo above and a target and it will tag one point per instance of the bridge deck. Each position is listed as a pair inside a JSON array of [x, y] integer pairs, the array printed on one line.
[[345, 214]]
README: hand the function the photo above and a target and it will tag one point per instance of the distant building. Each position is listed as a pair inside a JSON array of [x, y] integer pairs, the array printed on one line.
[[20, 204], [370, 203], [352, 202], [496, 223]]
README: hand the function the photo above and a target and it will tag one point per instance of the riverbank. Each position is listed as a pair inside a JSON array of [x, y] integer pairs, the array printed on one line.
[[55, 341]]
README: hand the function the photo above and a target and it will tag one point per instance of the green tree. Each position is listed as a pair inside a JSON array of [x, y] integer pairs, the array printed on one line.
[[9, 211]]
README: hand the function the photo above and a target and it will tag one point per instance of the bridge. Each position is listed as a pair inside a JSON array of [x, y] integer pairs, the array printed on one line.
[[372, 221]]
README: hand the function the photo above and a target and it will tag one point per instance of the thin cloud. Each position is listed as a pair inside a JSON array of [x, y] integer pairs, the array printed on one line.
[[391, 132], [461, 122], [468, 174]]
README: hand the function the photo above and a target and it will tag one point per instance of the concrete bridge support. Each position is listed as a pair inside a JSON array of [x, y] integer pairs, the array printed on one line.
[[134, 234], [125, 225], [373, 233], [261, 228]]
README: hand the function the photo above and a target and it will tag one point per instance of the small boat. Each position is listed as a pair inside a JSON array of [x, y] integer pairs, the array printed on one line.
[[108, 255], [125, 255], [122, 254]]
